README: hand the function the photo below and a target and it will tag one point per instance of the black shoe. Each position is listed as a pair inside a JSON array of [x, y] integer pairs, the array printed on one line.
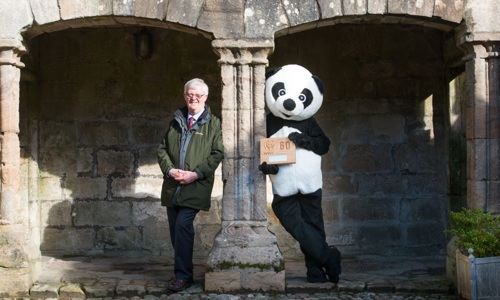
[[333, 265], [179, 285], [316, 275]]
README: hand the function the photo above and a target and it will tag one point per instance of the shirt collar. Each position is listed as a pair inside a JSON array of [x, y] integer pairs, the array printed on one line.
[[195, 116]]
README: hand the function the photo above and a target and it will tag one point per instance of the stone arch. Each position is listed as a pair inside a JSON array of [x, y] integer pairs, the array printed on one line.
[[256, 23]]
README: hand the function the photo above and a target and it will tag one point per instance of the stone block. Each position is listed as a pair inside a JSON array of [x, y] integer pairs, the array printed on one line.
[[338, 185], [377, 6], [262, 21], [45, 11], [223, 281], [140, 187], [71, 291], [60, 161], [450, 10], [102, 213], [104, 134], [84, 159], [85, 188], [45, 291], [148, 161], [184, 12], [147, 9], [57, 134], [351, 286], [221, 23], [422, 209], [330, 9], [369, 209], [56, 213], [300, 12], [379, 286], [366, 158], [425, 234], [330, 210], [354, 7], [204, 238], [145, 211], [130, 290], [14, 19], [266, 281], [99, 290], [375, 239], [67, 240], [85, 8], [147, 133], [49, 188], [121, 240], [382, 184], [156, 236], [116, 163]]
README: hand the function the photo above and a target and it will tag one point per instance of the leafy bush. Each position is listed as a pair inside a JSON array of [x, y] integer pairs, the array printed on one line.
[[477, 230]]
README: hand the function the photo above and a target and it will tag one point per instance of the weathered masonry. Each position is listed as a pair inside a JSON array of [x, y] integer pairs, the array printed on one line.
[[87, 87]]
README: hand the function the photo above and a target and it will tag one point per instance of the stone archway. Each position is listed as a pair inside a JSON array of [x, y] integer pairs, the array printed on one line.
[[243, 33]]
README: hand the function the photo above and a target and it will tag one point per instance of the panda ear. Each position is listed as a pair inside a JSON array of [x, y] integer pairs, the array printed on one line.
[[319, 82], [272, 71]]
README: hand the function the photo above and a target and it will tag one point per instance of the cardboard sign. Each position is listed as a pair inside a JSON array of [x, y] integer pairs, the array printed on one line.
[[277, 151]]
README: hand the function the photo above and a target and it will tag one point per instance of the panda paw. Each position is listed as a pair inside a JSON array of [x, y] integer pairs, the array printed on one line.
[[300, 140], [269, 169]]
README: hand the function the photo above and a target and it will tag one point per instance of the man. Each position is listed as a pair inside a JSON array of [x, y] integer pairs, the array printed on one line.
[[188, 156]]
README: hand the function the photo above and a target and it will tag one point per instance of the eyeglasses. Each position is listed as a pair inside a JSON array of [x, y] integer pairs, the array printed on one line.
[[197, 96]]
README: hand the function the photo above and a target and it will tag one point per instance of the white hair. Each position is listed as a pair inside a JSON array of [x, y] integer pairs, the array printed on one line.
[[195, 82]]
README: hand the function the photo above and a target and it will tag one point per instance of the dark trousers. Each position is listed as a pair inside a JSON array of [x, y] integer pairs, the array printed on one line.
[[180, 221], [302, 217]]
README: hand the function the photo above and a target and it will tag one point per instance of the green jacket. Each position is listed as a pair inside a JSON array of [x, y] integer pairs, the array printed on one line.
[[198, 149]]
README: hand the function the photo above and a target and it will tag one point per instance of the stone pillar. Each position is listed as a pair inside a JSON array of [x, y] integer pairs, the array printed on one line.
[[245, 255], [483, 123], [15, 263]]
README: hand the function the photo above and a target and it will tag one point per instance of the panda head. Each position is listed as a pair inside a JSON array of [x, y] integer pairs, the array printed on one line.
[[293, 93]]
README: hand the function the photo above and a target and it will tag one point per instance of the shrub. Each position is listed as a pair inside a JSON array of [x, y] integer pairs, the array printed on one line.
[[477, 230]]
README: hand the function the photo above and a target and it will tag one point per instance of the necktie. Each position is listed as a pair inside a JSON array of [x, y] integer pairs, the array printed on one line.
[[191, 121]]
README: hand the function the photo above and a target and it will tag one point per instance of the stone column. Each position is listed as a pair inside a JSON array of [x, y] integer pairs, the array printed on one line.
[[16, 275], [245, 255], [483, 123]]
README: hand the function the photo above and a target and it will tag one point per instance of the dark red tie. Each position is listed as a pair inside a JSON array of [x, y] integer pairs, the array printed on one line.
[[191, 121]]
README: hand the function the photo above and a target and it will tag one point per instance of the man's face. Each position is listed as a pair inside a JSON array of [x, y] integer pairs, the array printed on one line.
[[195, 99]]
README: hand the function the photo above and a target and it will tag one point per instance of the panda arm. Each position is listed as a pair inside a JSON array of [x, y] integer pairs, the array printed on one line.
[[312, 138]]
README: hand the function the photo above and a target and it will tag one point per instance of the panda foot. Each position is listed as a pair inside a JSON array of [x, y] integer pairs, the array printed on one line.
[[333, 265], [316, 275]]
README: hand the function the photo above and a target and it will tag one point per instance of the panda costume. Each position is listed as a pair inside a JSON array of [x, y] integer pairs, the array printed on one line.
[[293, 95]]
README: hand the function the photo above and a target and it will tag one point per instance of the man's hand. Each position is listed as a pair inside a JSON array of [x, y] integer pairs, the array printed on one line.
[[269, 169], [183, 176]]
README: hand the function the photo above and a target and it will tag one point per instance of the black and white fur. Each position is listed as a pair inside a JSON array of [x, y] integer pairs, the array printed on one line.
[[293, 96]]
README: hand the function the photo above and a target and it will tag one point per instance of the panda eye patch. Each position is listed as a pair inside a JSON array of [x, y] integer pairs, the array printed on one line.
[[278, 90], [306, 97]]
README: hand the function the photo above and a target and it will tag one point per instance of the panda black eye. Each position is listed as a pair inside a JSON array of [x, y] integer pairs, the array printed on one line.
[[302, 97], [282, 92]]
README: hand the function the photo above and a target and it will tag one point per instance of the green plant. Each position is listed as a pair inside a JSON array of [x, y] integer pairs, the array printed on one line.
[[478, 230]]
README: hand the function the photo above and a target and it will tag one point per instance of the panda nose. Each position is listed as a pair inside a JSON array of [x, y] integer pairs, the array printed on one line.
[[289, 104]]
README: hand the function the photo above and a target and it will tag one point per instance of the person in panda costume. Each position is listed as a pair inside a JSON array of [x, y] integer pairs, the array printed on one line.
[[293, 95]]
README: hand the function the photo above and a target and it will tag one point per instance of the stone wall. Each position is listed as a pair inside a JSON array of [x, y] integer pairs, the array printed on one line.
[[94, 113]]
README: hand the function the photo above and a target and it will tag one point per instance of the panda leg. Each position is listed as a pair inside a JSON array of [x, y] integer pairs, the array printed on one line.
[[302, 217]]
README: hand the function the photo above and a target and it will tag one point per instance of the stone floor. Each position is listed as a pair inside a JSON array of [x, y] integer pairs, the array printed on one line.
[[145, 278]]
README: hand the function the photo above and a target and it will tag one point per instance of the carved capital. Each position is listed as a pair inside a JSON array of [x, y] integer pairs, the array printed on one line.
[[243, 52], [11, 51]]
